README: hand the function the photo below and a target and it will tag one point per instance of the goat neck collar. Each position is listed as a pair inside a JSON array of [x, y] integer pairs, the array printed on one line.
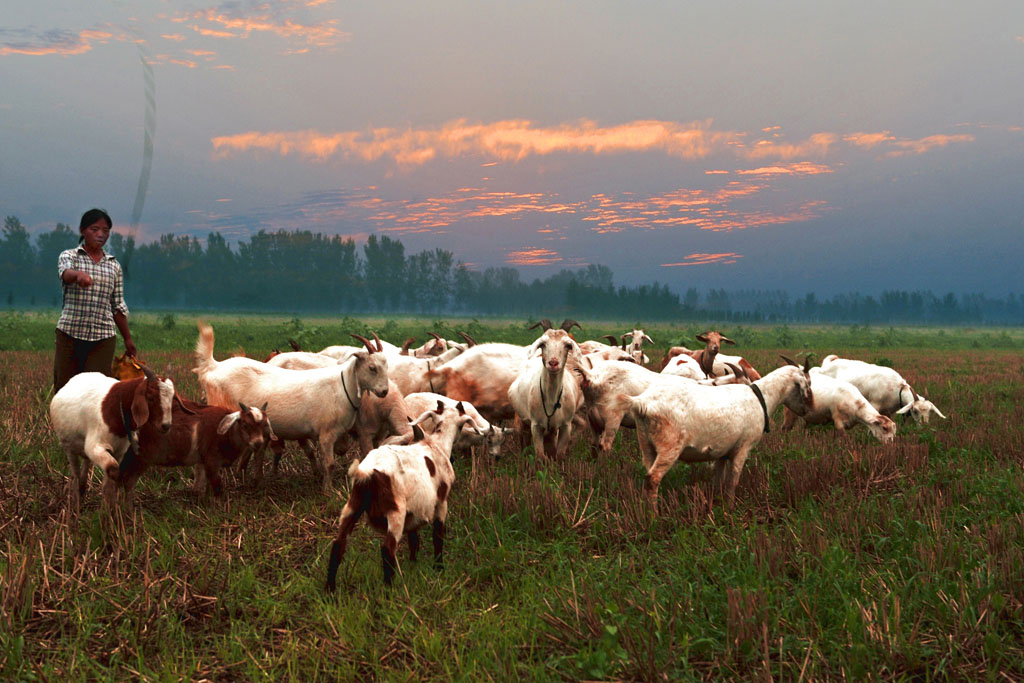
[[764, 406], [352, 403], [543, 401], [430, 379]]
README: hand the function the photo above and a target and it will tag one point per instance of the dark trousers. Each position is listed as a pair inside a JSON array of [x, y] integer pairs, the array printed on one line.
[[72, 356]]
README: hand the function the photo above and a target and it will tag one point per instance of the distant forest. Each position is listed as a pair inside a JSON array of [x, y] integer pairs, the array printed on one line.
[[310, 272]]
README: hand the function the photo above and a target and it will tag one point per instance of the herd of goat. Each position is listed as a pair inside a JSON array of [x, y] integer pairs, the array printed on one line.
[[406, 408]]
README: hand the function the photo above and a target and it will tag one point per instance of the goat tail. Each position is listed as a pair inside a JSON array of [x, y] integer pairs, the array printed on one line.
[[204, 350]]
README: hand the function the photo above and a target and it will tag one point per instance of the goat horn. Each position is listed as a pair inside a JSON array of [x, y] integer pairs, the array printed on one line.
[[543, 324], [789, 361], [569, 323], [611, 337], [406, 344], [366, 342], [440, 407], [436, 336], [469, 340], [380, 347], [150, 375], [738, 371], [294, 344]]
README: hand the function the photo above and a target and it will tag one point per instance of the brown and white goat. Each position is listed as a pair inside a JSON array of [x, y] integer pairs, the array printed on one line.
[[481, 375], [210, 436], [94, 417], [401, 488]]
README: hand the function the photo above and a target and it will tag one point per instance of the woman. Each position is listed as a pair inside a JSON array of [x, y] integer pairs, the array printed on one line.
[[93, 304]]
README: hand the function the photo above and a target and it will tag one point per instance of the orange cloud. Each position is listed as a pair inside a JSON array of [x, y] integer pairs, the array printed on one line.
[[799, 168], [510, 140], [64, 44], [533, 257], [699, 259], [926, 144], [215, 23], [816, 145]]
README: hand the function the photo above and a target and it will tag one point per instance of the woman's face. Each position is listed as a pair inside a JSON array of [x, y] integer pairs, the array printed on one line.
[[96, 235]]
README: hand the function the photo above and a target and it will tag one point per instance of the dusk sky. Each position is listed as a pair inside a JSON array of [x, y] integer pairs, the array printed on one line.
[[803, 146]]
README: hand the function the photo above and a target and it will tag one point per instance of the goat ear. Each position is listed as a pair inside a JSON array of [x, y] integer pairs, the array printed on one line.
[[937, 412], [728, 341], [905, 409], [702, 338], [140, 408], [181, 404], [648, 339], [225, 424]]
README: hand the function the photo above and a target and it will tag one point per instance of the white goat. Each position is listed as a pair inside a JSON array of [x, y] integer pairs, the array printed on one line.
[[302, 404], [543, 396], [683, 365], [883, 387], [94, 417], [402, 487], [721, 424], [635, 348], [841, 403], [412, 374]]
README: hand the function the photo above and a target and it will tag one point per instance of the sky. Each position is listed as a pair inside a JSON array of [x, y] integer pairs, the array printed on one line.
[[822, 147]]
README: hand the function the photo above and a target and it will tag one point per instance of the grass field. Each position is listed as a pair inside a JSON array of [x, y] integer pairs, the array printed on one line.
[[842, 559]]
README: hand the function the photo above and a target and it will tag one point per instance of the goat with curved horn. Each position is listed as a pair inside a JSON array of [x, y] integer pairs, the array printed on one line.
[[568, 324], [469, 340], [543, 324]]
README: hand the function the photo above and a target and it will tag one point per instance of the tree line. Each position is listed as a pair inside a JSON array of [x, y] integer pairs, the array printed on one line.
[[303, 271]]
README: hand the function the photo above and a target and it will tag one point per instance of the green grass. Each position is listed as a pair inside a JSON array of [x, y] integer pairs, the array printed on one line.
[[842, 559]]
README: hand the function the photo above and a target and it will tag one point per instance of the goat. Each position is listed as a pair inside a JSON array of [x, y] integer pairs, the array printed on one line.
[[603, 382], [380, 417], [636, 345], [884, 388], [303, 360], [210, 436], [482, 376], [721, 424], [684, 365], [401, 488], [477, 432], [542, 395], [841, 403], [94, 417], [303, 404]]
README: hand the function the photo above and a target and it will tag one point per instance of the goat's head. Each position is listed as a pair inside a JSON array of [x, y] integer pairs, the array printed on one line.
[[713, 341], [882, 428], [153, 401], [434, 347], [495, 437], [919, 407], [252, 430], [799, 398], [556, 347], [371, 367]]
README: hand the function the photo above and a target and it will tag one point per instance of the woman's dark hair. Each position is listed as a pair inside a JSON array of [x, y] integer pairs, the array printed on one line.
[[90, 217]]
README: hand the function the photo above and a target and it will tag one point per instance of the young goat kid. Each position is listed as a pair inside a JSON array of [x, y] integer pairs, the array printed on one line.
[[401, 488], [211, 436]]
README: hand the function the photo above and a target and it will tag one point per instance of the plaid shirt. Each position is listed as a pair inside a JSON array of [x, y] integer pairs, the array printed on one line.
[[88, 314]]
